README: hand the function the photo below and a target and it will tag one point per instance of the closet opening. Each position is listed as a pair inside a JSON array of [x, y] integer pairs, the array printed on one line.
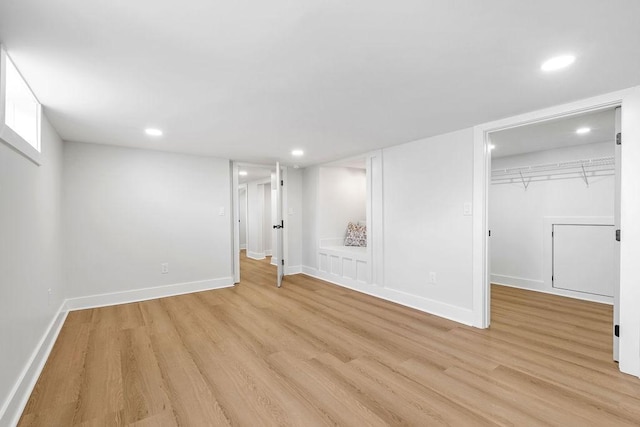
[[553, 210]]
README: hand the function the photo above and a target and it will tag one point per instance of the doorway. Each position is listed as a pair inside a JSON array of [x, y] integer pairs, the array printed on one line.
[[257, 193], [552, 213]]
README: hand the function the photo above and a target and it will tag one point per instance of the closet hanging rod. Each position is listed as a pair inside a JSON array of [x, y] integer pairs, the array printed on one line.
[[585, 169], [589, 165], [551, 177], [578, 171]]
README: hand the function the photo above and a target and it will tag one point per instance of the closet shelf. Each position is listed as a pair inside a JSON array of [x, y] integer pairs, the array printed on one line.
[[584, 169]]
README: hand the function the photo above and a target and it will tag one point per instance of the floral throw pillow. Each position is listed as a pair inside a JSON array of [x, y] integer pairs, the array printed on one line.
[[356, 235]]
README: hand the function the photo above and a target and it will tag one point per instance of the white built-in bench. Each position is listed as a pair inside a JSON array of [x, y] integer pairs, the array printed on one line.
[[343, 264]]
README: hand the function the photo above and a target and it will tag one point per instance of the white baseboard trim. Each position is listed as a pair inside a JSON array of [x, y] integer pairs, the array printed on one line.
[[437, 308], [243, 246], [255, 255], [293, 269], [12, 408], [136, 295], [559, 292], [268, 252], [16, 401], [518, 282], [343, 281]]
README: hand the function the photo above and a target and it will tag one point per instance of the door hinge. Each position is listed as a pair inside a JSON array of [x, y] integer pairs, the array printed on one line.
[[552, 278], [283, 261], [616, 331], [281, 182], [489, 233], [619, 138], [617, 235], [552, 234]]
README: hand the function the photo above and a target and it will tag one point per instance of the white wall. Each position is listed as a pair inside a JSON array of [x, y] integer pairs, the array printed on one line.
[[242, 199], [255, 203], [310, 188], [126, 211], [267, 224], [426, 184], [259, 221], [30, 261], [516, 216], [342, 198], [293, 219]]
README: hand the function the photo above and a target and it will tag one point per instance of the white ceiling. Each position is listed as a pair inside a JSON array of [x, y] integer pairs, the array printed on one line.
[[555, 134], [250, 80]]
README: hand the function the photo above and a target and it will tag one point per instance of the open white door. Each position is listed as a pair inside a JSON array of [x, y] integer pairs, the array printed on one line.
[[616, 250], [278, 226]]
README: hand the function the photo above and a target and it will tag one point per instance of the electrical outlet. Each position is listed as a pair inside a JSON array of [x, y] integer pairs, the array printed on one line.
[[221, 211], [49, 296], [164, 268], [467, 210], [432, 278]]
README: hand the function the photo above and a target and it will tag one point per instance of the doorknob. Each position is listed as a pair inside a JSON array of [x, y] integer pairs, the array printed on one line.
[[281, 225]]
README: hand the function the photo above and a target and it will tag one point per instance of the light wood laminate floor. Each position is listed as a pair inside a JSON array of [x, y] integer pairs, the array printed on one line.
[[311, 353]]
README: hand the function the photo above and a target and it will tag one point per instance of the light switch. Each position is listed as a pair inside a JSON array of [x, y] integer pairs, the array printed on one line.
[[432, 278], [467, 209]]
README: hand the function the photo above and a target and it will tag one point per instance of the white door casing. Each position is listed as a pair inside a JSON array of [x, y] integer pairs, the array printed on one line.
[[279, 225], [616, 254]]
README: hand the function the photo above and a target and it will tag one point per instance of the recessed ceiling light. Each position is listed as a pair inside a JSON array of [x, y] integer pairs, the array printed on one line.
[[557, 62], [491, 147], [582, 131], [242, 173], [297, 153], [153, 132]]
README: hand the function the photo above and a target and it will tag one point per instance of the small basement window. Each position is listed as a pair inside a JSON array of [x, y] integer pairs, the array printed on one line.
[[20, 111]]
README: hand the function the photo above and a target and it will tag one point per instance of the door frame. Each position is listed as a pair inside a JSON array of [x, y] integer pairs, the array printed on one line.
[[629, 342], [235, 225], [278, 245], [243, 221], [235, 247]]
